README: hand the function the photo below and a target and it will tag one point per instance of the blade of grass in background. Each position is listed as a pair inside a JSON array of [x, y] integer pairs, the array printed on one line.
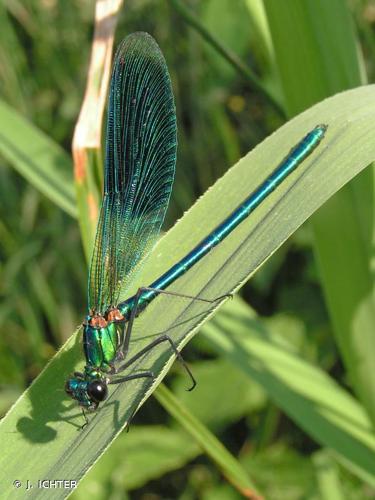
[[141, 455], [86, 147], [328, 477], [37, 158], [224, 460], [317, 55], [228, 55], [13, 64], [304, 392], [47, 424]]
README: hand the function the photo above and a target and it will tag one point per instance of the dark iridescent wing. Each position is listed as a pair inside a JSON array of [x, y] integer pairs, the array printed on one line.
[[139, 169]]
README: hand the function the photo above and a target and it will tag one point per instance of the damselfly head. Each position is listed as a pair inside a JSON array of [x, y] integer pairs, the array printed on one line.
[[88, 393], [97, 390]]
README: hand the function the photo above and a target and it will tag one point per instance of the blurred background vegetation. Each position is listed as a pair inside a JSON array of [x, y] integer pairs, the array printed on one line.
[[44, 52]]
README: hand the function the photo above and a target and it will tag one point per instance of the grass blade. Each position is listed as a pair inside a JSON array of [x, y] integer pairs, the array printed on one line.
[[228, 465], [318, 36], [304, 392], [37, 158], [227, 54], [49, 437], [87, 147]]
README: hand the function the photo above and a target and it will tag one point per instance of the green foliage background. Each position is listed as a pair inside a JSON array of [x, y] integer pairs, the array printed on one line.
[[300, 54]]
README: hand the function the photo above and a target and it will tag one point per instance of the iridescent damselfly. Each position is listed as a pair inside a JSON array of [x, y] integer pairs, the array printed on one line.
[[141, 145]]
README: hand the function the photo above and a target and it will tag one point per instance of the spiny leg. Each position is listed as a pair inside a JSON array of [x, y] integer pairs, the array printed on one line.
[[124, 348], [120, 356], [86, 420], [120, 380], [152, 345]]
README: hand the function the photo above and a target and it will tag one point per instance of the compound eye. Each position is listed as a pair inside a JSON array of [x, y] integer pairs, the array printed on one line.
[[68, 389], [97, 390]]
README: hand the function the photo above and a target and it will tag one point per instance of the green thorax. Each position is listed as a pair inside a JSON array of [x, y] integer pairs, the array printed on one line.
[[101, 345]]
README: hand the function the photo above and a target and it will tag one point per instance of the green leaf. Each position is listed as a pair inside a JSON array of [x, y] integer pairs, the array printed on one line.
[[328, 477], [43, 427], [230, 57], [286, 461], [309, 396], [314, 39], [319, 37], [37, 158], [227, 464], [218, 377], [144, 454]]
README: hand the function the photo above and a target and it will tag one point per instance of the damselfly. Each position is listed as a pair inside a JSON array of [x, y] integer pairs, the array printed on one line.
[[140, 161]]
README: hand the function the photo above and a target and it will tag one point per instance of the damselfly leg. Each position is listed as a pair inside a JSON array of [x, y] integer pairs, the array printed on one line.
[[124, 348]]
